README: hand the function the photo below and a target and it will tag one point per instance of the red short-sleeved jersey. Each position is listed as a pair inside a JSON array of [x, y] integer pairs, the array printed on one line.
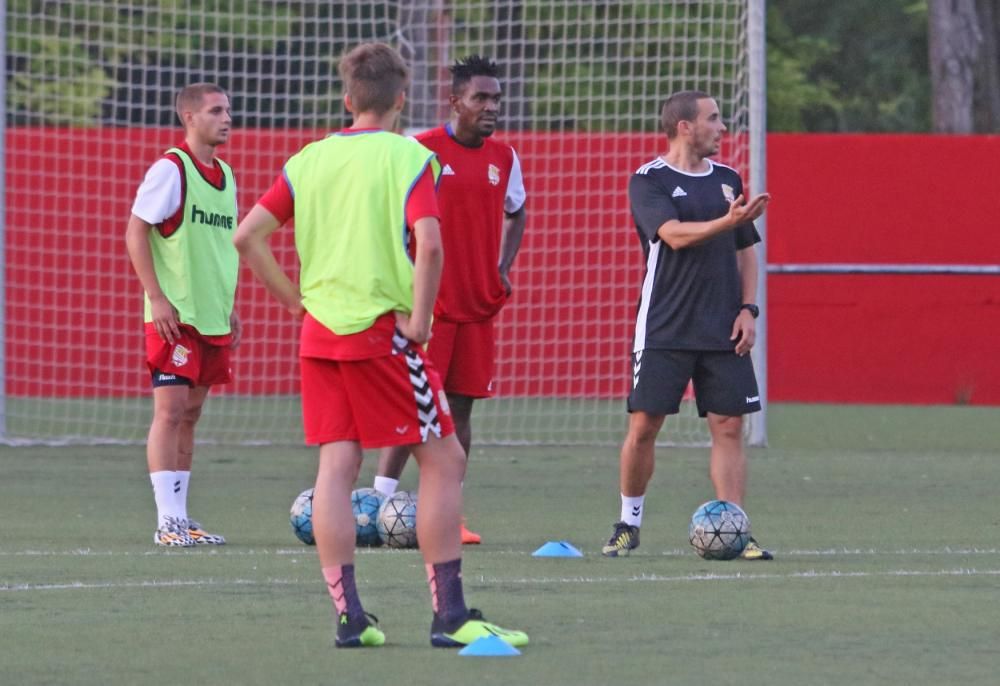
[[472, 190]]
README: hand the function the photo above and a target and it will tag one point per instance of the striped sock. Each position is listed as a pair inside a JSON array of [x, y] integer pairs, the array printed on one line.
[[343, 591], [447, 597]]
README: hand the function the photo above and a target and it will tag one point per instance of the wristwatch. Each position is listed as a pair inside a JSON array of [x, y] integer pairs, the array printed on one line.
[[753, 309]]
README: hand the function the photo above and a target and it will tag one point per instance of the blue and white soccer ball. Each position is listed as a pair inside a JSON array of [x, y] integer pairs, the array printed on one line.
[[302, 509], [366, 502], [719, 530], [397, 520]]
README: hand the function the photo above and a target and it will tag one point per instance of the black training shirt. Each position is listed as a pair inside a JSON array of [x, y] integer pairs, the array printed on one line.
[[690, 297]]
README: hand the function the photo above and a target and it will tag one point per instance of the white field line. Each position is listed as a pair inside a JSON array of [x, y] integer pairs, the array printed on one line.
[[677, 552], [642, 578], [742, 576], [118, 585]]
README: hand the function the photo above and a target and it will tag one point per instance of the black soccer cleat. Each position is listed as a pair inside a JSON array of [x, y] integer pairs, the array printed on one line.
[[622, 541], [753, 551], [360, 632]]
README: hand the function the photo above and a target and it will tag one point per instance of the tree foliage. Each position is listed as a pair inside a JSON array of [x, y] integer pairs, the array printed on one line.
[[598, 65], [69, 62], [609, 65], [853, 65]]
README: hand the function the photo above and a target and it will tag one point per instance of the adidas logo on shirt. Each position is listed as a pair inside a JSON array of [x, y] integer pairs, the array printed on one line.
[[678, 193], [447, 171]]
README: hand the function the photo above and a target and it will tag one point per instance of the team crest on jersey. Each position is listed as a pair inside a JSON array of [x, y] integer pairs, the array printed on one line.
[[179, 358], [494, 174], [727, 191]]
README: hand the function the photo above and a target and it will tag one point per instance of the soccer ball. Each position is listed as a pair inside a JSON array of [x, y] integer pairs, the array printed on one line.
[[397, 520], [302, 510], [719, 530], [366, 503]]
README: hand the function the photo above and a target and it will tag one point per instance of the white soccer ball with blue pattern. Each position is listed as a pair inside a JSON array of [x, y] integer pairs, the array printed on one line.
[[719, 530], [397, 520], [366, 502], [301, 517]]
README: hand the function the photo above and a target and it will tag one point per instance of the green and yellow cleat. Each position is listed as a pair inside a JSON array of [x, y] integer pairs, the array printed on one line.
[[474, 627], [753, 551], [358, 633]]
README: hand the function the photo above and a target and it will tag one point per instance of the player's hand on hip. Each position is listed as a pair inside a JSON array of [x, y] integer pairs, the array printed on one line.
[[505, 281], [742, 211], [165, 319], [411, 329], [297, 310], [236, 329], [744, 332]]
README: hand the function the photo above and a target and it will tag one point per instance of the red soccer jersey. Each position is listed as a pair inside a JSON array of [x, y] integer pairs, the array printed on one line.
[[473, 187]]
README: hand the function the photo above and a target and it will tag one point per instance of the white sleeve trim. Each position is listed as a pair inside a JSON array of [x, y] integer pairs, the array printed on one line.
[[159, 195], [516, 194]]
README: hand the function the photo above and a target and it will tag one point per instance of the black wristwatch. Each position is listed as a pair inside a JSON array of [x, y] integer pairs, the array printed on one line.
[[753, 309]]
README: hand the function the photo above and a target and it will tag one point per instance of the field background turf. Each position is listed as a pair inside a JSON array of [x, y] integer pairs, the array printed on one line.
[[885, 522]]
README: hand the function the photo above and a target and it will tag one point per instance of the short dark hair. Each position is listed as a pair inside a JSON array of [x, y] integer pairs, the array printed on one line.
[[681, 106], [191, 96], [374, 75], [474, 65]]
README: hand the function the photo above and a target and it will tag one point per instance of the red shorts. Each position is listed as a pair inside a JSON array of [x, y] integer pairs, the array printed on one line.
[[188, 358], [381, 401], [463, 353]]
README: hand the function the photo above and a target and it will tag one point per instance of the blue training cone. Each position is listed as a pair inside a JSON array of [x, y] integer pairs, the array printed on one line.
[[557, 549], [489, 646]]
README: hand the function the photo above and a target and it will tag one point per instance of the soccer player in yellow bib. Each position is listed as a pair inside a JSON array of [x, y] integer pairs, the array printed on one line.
[[356, 197], [179, 239]]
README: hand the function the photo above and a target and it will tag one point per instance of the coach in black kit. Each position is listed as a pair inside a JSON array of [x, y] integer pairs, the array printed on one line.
[[697, 307]]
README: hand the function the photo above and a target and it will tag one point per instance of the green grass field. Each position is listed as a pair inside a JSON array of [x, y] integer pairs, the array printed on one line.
[[884, 521]]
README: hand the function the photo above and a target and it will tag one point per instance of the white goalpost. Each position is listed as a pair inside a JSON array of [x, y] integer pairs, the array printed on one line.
[[89, 94]]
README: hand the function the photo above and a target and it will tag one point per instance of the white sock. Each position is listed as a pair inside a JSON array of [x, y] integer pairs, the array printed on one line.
[[181, 481], [163, 494], [385, 485], [632, 510]]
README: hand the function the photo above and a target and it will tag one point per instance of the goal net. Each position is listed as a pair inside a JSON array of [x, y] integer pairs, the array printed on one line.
[[89, 106]]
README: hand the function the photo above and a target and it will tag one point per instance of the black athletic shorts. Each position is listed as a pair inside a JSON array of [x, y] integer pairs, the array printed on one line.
[[724, 382], [164, 379]]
